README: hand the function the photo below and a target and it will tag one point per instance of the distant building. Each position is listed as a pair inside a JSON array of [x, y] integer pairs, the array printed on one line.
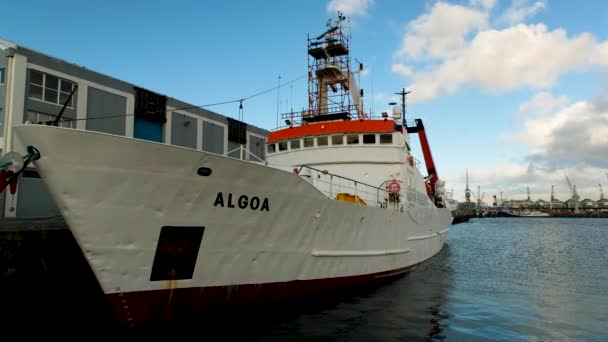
[[34, 87], [587, 203], [602, 204]]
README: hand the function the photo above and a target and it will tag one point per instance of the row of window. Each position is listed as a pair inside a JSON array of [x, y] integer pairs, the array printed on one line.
[[49, 88], [37, 117], [336, 140], [2, 76]]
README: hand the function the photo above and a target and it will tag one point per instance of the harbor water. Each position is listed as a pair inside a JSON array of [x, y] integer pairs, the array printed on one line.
[[503, 279]]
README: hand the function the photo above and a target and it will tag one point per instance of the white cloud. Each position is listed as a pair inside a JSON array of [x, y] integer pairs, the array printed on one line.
[[452, 46], [521, 10], [600, 54], [575, 135], [402, 69], [487, 4], [542, 104], [512, 179], [350, 7], [441, 32], [501, 60], [563, 139]]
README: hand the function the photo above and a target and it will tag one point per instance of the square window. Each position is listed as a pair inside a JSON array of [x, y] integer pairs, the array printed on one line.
[[309, 142], [369, 138], [322, 141], [283, 146], [386, 138], [35, 91], [30, 116], [1, 75], [337, 139], [271, 148], [63, 97], [352, 139], [50, 95], [51, 82], [66, 86], [36, 77], [295, 144]]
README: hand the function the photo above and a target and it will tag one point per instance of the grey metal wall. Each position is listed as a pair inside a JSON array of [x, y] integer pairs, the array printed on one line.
[[3, 65], [213, 138], [211, 115], [102, 104], [183, 130], [232, 146], [256, 147], [33, 199]]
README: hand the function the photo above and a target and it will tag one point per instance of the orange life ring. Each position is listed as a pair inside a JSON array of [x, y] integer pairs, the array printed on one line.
[[393, 187]]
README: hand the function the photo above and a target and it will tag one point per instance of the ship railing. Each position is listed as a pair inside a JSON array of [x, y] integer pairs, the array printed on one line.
[[333, 186], [243, 152], [295, 117], [417, 163]]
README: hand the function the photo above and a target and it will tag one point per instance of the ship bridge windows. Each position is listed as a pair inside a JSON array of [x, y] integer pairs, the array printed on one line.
[[309, 142], [322, 141], [352, 139], [283, 146], [337, 140], [294, 144], [386, 138], [271, 148]]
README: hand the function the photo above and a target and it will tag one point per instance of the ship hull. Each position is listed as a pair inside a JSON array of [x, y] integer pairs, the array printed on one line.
[[163, 239], [136, 307]]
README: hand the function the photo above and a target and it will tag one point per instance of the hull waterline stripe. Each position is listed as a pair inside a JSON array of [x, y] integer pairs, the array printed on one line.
[[358, 253], [422, 237], [392, 274]]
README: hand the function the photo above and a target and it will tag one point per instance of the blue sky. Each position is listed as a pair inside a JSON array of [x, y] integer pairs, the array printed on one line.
[[511, 90]]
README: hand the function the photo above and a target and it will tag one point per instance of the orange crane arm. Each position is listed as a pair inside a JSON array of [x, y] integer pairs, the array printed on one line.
[[426, 151]]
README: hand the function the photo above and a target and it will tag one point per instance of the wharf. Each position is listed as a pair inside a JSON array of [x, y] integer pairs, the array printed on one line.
[[35, 224], [45, 280]]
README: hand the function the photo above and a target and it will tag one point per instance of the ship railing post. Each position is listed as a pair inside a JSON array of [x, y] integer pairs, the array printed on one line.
[[356, 195], [331, 183]]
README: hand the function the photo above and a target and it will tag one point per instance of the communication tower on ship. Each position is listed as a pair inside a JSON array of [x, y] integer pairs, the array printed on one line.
[[333, 92]]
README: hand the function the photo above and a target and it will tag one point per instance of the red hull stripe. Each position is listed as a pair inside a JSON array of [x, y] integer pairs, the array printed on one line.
[[332, 127], [131, 307]]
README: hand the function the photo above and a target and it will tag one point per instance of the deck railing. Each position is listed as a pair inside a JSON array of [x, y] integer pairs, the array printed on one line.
[[333, 186]]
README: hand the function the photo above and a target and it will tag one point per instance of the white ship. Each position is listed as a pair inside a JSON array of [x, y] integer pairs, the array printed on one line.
[[168, 231]]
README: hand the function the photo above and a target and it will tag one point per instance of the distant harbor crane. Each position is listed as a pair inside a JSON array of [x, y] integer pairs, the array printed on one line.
[[467, 191], [575, 197]]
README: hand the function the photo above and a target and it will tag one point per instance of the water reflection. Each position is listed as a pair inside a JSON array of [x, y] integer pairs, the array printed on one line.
[[495, 279], [410, 308]]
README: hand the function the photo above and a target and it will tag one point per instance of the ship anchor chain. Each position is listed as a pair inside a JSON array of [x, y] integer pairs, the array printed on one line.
[[12, 165]]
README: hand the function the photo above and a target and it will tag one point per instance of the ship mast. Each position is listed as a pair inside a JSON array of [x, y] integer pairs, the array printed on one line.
[[333, 92]]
